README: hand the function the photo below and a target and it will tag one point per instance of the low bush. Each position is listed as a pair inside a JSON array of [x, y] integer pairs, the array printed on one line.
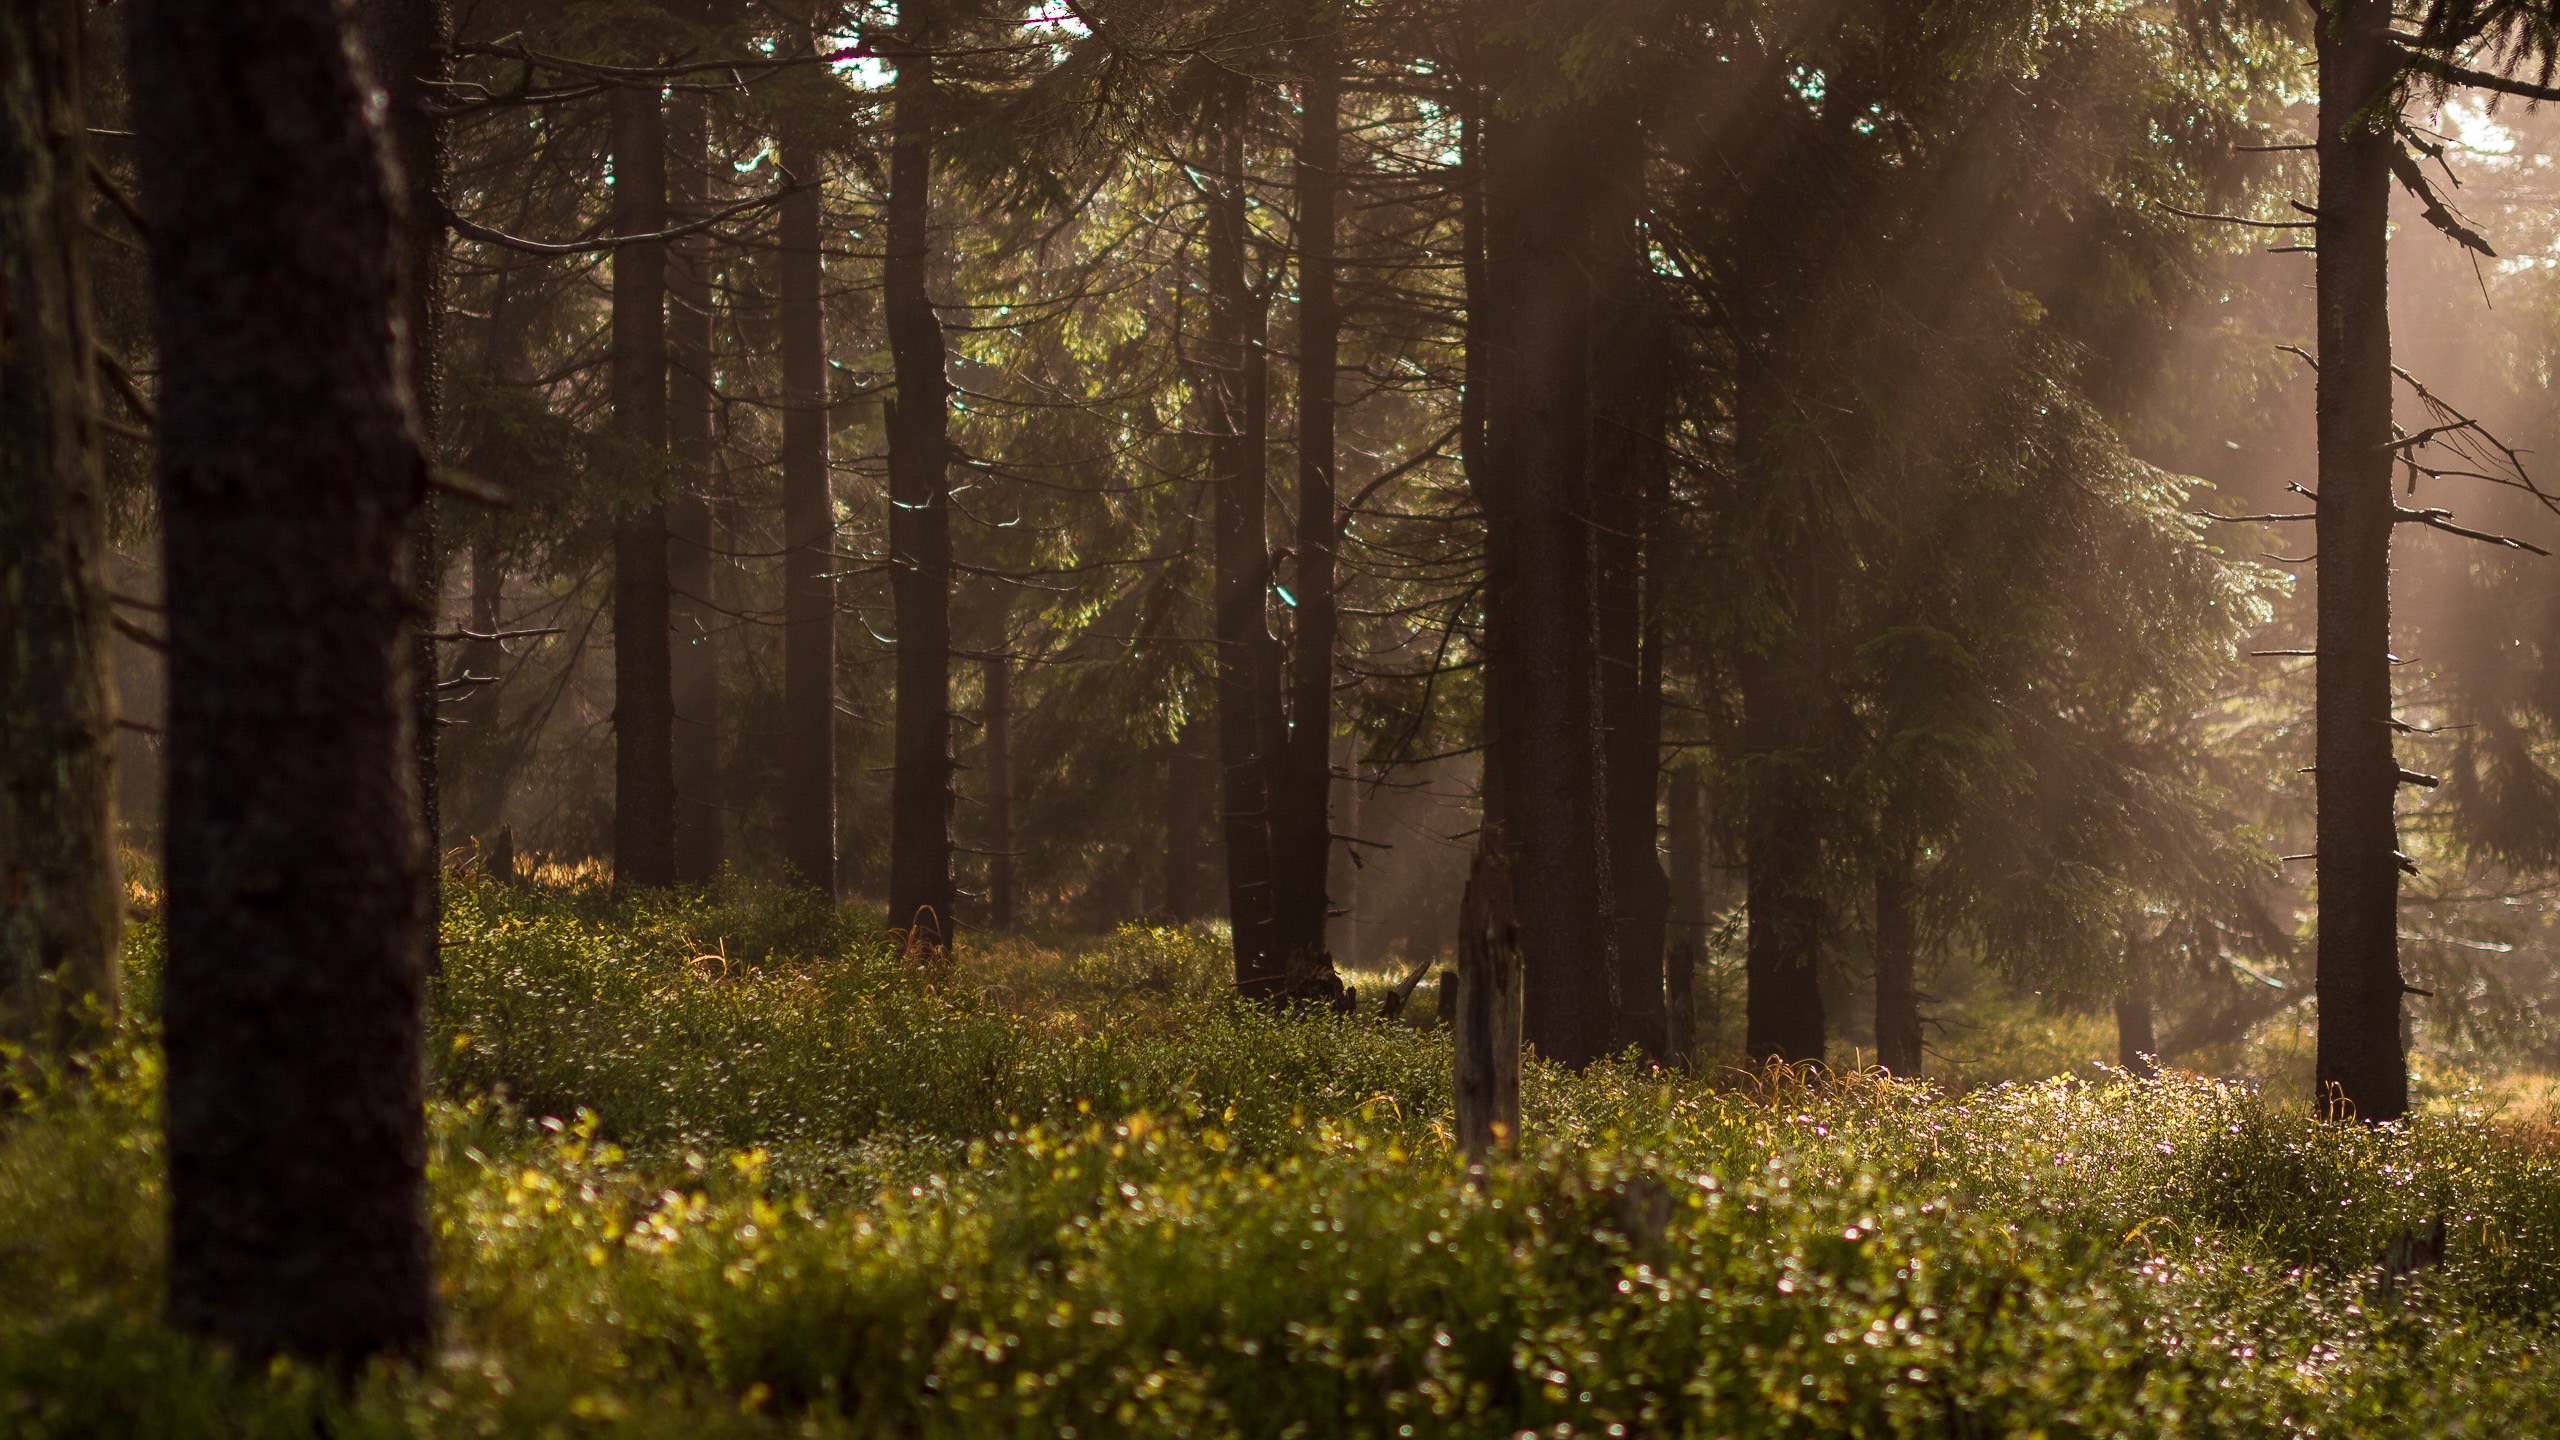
[[1078, 1193]]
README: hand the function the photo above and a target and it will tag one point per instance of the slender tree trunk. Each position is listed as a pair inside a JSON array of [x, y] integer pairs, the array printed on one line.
[[2137, 1047], [1489, 279], [289, 466], [406, 41], [921, 798], [1539, 204], [60, 911], [692, 418], [1302, 826], [1632, 395], [808, 537], [1249, 738], [477, 763], [1342, 869], [1781, 781], [2362, 1067], [644, 810], [1000, 837], [1898, 1045], [1191, 823], [1685, 822]]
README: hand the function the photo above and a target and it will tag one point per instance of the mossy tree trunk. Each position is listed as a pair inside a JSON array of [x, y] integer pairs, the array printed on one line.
[[59, 882]]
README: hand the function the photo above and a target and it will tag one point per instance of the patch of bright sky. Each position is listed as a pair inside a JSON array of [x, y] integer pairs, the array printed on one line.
[[1051, 21]]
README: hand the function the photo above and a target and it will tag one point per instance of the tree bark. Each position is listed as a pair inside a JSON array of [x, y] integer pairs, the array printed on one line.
[[808, 537], [1302, 843], [406, 40], [693, 408], [1629, 473], [60, 884], [999, 778], [2137, 1047], [2362, 1066], [1488, 278], [1539, 203], [1249, 731], [1898, 1043], [289, 467], [921, 798], [644, 810], [1191, 823], [1685, 823]]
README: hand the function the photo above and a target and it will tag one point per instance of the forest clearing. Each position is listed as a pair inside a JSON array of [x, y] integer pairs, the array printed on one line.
[[1279, 718]]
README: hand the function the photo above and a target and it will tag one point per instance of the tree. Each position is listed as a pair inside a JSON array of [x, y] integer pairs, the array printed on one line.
[[60, 887], [290, 465], [808, 535], [921, 886], [644, 816]]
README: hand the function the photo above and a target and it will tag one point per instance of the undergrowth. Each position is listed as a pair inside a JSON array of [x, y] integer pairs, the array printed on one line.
[[1077, 1192]]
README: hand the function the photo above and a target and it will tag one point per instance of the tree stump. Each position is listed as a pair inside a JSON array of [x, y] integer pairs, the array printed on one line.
[[1488, 1008]]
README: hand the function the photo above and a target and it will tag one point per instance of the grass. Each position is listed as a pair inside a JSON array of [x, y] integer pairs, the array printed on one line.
[[1076, 1192]]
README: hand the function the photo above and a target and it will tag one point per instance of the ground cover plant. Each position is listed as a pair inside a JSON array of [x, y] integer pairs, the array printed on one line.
[[1080, 1192]]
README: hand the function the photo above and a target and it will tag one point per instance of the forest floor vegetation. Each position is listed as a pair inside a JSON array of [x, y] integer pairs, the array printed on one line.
[[726, 1164]]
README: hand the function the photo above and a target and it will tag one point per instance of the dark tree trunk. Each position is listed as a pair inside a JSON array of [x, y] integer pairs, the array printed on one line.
[[692, 418], [1302, 843], [406, 40], [1688, 909], [1539, 205], [644, 803], [1191, 824], [1632, 395], [478, 761], [60, 895], [920, 793], [2137, 1047], [808, 538], [1249, 735], [289, 467], [999, 777], [2362, 1067], [1488, 280], [1781, 782], [1342, 869], [1898, 1047]]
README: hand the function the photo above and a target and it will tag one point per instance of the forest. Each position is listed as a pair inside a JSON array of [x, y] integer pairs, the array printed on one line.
[[1279, 718]]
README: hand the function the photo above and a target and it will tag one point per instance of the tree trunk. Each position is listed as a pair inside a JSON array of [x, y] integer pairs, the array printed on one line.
[[920, 799], [1539, 202], [1249, 738], [1688, 910], [2137, 1048], [1342, 868], [1629, 473], [478, 762], [1489, 1009], [1782, 999], [2362, 1068], [692, 419], [406, 40], [1898, 1047], [1488, 278], [1302, 843], [60, 890], [808, 538], [289, 467], [999, 779], [644, 808], [1191, 823]]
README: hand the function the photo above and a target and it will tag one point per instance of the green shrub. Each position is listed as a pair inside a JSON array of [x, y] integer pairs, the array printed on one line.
[[1080, 1193]]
